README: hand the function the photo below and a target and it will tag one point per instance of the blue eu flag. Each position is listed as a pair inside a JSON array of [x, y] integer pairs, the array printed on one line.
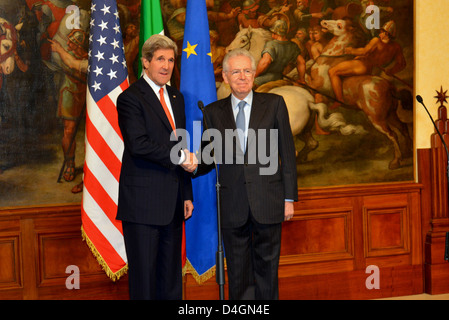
[[198, 83]]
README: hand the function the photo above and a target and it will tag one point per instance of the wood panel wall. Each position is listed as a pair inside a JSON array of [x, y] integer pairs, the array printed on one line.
[[36, 247], [334, 235]]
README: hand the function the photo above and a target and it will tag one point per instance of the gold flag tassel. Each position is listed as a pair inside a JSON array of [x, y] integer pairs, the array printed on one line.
[[114, 276], [200, 279]]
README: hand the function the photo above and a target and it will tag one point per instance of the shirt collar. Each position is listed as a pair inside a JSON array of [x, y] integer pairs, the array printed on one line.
[[248, 99], [153, 85]]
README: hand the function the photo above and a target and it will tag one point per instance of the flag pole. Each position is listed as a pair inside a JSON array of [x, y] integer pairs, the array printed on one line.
[[220, 276], [219, 256], [198, 83], [104, 143]]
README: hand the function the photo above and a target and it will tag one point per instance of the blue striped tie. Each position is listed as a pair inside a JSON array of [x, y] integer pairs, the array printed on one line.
[[240, 122]]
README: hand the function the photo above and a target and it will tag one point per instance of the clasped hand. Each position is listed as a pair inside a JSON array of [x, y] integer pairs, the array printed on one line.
[[190, 162]]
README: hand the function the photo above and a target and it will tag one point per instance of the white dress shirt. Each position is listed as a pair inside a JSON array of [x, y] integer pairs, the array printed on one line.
[[156, 89], [247, 110]]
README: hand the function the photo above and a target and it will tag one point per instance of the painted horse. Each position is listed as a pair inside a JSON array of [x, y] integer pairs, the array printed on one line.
[[374, 95], [300, 103]]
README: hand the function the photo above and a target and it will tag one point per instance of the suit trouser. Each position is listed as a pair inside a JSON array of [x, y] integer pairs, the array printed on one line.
[[252, 260], [155, 259]]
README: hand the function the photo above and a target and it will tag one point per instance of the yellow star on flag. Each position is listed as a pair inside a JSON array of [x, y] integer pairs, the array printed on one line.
[[190, 49], [210, 54]]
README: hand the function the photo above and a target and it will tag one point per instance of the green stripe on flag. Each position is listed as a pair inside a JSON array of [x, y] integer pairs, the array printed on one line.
[[150, 23]]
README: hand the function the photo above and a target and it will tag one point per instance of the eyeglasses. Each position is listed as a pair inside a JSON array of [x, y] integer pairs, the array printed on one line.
[[246, 72]]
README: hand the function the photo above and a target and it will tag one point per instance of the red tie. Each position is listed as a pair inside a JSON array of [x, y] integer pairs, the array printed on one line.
[[167, 112]]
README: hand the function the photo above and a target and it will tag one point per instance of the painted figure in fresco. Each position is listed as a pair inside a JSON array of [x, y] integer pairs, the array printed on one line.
[[321, 39], [318, 10], [310, 41], [302, 9], [344, 15], [277, 55], [300, 103], [51, 14], [284, 10], [309, 13], [216, 16], [176, 21], [131, 45], [371, 94], [72, 95], [345, 34], [218, 53], [385, 14], [248, 16], [314, 47], [300, 39], [68, 66], [379, 52]]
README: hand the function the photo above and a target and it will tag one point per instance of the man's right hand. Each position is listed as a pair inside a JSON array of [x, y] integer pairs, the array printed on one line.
[[190, 163]]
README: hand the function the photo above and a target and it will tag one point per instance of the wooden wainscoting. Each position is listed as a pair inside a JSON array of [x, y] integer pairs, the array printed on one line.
[[435, 215], [36, 247], [336, 233]]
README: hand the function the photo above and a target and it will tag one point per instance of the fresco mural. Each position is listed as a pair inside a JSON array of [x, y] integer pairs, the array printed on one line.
[[345, 73]]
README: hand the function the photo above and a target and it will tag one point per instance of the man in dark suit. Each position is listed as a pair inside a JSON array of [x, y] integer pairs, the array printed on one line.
[[155, 193], [255, 199]]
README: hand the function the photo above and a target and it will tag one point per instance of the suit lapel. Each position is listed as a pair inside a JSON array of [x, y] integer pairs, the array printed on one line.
[[177, 108], [227, 116], [258, 109], [227, 120], [152, 101]]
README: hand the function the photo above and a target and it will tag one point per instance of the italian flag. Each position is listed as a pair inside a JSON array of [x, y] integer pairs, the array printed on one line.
[[150, 23]]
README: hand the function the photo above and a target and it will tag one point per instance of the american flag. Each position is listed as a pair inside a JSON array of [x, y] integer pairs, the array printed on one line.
[[107, 78]]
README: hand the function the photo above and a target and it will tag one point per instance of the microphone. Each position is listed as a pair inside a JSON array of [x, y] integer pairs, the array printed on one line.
[[420, 100], [219, 255], [201, 105]]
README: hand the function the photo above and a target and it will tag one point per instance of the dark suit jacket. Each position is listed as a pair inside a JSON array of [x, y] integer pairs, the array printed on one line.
[[243, 188], [149, 180]]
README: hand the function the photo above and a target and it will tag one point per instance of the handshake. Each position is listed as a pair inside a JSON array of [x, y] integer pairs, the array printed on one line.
[[190, 162]]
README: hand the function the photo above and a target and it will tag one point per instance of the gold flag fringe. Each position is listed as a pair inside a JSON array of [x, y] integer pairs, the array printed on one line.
[[199, 278], [188, 268], [114, 276]]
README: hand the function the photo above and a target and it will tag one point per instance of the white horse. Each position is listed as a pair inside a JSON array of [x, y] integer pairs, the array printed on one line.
[[345, 35], [373, 95], [300, 103], [302, 110], [251, 39]]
